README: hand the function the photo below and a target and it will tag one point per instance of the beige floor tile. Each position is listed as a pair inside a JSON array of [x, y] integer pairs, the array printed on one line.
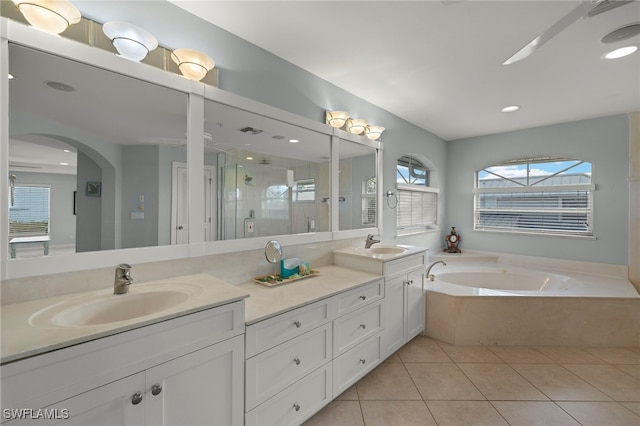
[[615, 383], [351, 394], [501, 382], [563, 355], [521, 355], [396, 413], [422, 349], [533, 413], [393, 358], [634, 370], [469, 353], [459, 413], [338, 413], [617, 355], [633, 406], [388, 382], [558, 383], [601, 413], [441, 381]]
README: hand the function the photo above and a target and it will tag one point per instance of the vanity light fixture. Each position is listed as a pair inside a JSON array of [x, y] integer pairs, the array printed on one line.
[[193, 64], [373, 132], [621, 52], [356, 125], [53, 16], [131, 42], [510, 108], [336, 118]]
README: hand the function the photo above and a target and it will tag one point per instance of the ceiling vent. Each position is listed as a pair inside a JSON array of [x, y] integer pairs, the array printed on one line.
[[251, 130]]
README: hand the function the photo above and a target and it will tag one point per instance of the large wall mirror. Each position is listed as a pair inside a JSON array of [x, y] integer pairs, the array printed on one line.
[[358, 182], [94, 158], [269, 177]]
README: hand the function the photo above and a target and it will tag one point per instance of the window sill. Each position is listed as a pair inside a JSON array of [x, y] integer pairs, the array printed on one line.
[[425, 231], [537, 234]]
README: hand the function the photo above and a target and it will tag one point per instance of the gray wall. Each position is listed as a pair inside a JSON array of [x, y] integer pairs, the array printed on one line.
[[89, 209], [602, 141]]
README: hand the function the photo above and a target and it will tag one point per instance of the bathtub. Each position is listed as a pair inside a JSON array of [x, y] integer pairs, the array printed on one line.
[[480, 303]]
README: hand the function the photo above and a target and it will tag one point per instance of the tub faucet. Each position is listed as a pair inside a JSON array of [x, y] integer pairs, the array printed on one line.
[[431, 276], [123, 279], [370, 241]]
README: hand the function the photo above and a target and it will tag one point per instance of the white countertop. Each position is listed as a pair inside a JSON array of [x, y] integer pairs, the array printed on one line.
[[382, 257], [266, 302], [21, 338]]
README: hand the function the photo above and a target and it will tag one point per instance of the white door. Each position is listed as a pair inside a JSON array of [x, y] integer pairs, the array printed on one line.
[[395, 314], [204, 387], [180, 204], [415, 304]]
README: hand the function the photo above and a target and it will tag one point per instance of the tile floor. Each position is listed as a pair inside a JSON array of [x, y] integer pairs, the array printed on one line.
[[428, 382]]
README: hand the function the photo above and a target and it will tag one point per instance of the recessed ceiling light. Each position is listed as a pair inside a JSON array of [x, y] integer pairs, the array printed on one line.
[[294, 140], [621, 52], [66, 150], [278, 137], [510, 108], [60, 86], [64, 164], [249, 158], [10, 76]]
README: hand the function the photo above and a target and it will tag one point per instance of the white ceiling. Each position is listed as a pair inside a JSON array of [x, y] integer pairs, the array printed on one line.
[[438, 64]]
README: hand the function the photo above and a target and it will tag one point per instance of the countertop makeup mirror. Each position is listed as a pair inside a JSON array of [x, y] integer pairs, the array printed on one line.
[[273, 251]]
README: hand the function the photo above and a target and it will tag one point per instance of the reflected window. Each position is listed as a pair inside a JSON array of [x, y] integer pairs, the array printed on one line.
[[276, 202], [304, 190], [369, 203], [29, 211], [417, 208]]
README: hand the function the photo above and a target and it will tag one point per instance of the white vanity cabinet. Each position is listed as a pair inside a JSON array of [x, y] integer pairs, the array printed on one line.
[[184, 371], [404, 302]]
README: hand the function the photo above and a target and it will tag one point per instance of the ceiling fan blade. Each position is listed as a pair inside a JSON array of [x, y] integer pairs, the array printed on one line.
[[551, 32]]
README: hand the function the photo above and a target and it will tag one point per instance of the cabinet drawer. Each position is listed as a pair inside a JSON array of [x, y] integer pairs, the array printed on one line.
[[405, 264], [270, 372], [297, 403], [273, 331], [355, 327], [349, 367], [361, 296]]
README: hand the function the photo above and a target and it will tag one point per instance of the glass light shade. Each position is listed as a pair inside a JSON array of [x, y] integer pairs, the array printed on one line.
[[373, 132], [336, 118], [356, 125], [130, 41], [53, 16], [193, 64]]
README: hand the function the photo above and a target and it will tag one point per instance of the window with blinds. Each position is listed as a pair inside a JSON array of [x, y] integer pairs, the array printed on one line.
[[29, 211], [540, 195], [369, 201], [417, 208]]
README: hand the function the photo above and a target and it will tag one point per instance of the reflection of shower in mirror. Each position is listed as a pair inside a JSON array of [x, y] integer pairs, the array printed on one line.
[[247, 178]]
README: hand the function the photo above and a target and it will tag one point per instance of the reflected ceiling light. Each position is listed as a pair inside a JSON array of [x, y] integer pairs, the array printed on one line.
[[10, 76], [373, 132], [130, 41], [356, 125], [336, 118], [294, 140], [193, 64], [53, 16], [621, 52], [510, 108]]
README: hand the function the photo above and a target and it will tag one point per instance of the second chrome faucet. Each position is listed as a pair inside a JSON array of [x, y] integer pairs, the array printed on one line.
[[123, 279]]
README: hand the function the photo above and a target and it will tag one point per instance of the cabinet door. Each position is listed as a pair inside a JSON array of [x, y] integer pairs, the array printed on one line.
[[108, 405], [415, 304], [204, 387], [395, 315]]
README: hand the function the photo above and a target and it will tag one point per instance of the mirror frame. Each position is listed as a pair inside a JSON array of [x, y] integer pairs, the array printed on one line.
[[18, 33]]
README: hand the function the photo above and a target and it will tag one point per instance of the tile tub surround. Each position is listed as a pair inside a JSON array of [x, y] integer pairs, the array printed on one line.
[[429, 382], [603, 310]]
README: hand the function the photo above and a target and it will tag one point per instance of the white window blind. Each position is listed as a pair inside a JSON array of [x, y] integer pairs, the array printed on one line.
[[29, 214], [417, 209], [369, 201]]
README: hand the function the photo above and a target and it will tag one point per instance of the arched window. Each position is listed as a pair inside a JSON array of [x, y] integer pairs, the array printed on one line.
[[546, 195], [417, 208]]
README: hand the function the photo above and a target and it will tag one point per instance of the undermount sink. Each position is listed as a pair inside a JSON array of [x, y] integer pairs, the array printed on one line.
[[100, 308], [387, 250]]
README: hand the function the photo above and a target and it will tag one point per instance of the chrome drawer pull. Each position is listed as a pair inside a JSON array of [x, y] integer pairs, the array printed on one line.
[[363, 297], [298, 324], [296, 406], [156, 389], [362, 361], [363, 326], [297, 361], [136, 398]]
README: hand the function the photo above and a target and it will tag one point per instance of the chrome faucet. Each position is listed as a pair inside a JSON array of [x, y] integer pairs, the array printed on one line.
[[370, 241], [123, 279], [431, 276]]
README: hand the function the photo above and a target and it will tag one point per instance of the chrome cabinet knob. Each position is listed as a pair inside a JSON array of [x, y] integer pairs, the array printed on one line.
[[297, 361], [363, 297], [156, 389], [296, 406], [298, 324], [136, 398]]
